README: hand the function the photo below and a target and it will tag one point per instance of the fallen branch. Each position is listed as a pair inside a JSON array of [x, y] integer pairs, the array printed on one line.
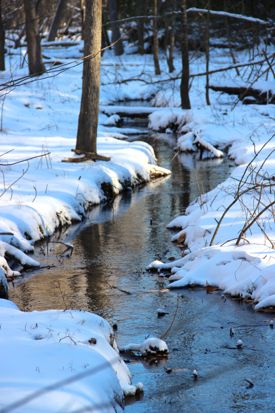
[[25, 160], [235, 16]]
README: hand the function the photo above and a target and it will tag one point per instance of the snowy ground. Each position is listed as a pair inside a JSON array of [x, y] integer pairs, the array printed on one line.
[[40, 194]]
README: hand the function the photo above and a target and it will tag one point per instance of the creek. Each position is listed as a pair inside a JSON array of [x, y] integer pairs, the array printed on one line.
[[107, 274]]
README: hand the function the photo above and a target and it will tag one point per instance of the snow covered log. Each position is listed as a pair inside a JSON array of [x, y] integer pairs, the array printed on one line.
[[244, 93], [235, 16]]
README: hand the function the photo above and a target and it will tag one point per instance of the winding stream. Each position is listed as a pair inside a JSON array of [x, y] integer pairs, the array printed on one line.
[[106, 274]]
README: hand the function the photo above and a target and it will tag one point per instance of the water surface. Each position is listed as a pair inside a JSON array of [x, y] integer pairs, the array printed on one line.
[[106, 274]]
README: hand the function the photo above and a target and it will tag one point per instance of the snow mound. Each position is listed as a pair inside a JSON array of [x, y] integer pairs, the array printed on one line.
[[70, 354], [150, 346]]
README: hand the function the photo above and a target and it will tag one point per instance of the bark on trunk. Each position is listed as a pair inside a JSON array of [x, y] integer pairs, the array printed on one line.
[[116, 36], [82, 14], [184, 86], [155, 38], [2, 41], [88, 116], [35, 63], [59, 16]]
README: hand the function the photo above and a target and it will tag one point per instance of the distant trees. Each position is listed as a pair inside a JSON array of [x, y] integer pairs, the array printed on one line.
[[35, 62], [116, 36], [2, 40], [58, 17], [184, 85], [141, 9], [169, 22], [155, 38], [149, 25]]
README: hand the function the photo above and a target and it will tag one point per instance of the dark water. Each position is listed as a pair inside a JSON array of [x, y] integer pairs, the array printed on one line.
[[106, 274]]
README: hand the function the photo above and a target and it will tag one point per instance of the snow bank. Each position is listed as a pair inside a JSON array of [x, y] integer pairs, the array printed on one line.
[[64, 360], [210, 230], [190, 134], [42, 194]]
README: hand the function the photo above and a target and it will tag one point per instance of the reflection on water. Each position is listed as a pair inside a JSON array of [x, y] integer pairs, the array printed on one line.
[[114, 245]]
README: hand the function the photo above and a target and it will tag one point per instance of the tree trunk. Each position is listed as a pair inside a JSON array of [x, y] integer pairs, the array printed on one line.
[[170, 42], [35, 63], [184, 85], [155, 38], [88, 116], [140, 26], [207, 58], [171, 47], [116, 36], [59, 16], [2, 41]]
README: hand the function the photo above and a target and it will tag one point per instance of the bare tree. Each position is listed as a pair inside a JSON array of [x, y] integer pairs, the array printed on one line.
[[207, 57], [170, 36], [59, 16], [184, 85], [2, 41], [141, 10], [36, 66], [88, 116], [155, 38], [116, 36]]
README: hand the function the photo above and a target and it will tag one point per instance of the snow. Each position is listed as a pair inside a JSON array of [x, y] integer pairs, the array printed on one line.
[[68, 357], [247, 269], [39, 195], [150, 346]]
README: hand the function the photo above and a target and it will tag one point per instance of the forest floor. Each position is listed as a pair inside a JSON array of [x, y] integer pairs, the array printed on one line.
[[39, 119]]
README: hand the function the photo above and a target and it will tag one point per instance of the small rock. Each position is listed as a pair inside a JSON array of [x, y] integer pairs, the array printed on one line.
[[250, 384], [231, 332], [168, 370], [161, 312], [239, 344], [92, 340], [271, 324], [115, 327], [195, 375]]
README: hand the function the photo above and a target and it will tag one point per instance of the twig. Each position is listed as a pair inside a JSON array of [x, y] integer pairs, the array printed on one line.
[[165, 334], [119, 289], [230, 205], [247, 226]]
